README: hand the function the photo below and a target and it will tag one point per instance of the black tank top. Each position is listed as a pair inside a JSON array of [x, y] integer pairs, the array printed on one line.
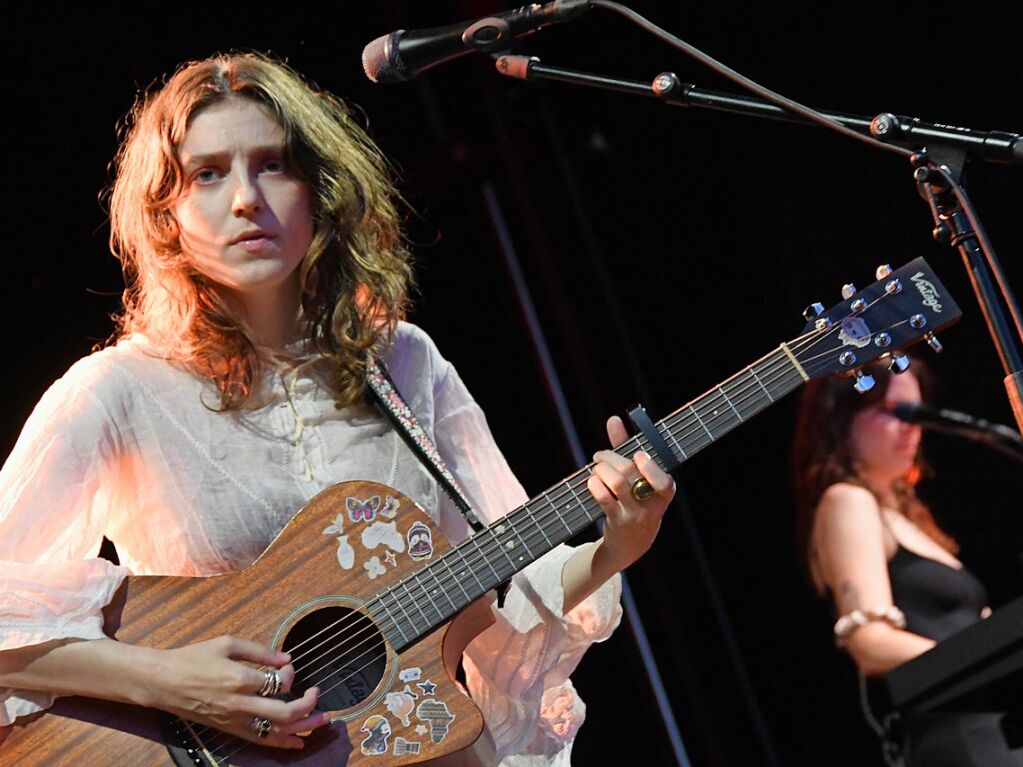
[[938, 600]]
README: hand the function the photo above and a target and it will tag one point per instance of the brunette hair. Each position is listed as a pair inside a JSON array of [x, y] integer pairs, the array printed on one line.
[[821, 454], [355, 276]]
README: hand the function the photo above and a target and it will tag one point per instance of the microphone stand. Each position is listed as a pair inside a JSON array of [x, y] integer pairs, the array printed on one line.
[[940, 153]]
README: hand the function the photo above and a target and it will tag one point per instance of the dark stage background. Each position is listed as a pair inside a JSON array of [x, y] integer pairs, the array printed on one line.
[[712, 231]]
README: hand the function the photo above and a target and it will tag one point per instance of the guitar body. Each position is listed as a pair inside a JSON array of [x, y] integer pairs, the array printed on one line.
[[307, 594]]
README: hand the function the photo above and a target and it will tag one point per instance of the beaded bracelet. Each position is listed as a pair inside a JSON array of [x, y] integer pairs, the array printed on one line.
[[847, 625]]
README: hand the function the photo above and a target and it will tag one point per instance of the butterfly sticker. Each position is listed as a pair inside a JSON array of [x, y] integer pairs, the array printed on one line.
[[362, 511]]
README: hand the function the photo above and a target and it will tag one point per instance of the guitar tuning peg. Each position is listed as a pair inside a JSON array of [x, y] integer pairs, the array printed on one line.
[[932, 341], [813, 311], [848, 290], [899, 363], [864, 382], [883, 271]]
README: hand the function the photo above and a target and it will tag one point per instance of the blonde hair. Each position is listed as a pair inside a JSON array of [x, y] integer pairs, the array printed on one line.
[[354, 277]]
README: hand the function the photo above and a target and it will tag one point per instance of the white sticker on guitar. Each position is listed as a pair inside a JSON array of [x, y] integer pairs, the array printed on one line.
[[385, 533], [379, 730], [345, 552], [854, 332], [402, 746], [401, 703], [420, 541]]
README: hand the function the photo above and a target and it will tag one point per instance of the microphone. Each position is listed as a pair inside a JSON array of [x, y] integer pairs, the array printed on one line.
[[1003, 438], [405, 53]]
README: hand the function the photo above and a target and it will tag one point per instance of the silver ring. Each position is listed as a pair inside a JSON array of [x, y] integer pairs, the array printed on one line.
[[641, 489], [271, 683], [261, 726]]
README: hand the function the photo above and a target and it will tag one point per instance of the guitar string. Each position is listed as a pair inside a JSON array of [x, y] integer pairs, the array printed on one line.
[[376, 659], [424, 615], [708, 419], [703, 423], [699, 424], [707, 422], [534, 539], [346, 653]]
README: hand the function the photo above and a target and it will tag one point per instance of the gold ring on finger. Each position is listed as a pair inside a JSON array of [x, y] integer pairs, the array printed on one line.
[[641, 489]]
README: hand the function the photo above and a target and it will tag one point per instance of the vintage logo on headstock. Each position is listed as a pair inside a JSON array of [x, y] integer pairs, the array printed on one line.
[[928, 292]]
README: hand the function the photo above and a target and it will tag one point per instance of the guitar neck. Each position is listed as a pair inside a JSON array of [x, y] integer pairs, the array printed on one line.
[[425, 600]]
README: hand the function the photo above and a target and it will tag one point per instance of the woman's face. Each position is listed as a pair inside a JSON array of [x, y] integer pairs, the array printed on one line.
[[244, 217], [884, 447]]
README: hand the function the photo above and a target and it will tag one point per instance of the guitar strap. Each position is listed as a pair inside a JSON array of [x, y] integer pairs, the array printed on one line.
[[401, 415]]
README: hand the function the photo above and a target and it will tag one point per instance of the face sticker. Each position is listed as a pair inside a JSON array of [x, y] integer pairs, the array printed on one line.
[[390, 508], [854, 332], [410, 674], [436, 714], [362, 511], [420, 541], [379, 730], [402, 746], [374, 568], [400, 704], [427, 687], [385, 533], [345, 552]]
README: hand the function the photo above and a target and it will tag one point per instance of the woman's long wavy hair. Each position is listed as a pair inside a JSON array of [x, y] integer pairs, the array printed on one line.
[[354, 278], [822, 455]]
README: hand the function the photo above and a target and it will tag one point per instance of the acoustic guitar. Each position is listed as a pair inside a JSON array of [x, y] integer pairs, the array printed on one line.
[[361, 588]]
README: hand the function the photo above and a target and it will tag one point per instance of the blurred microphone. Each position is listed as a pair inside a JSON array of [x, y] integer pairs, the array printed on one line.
[[1003, 438], [403, 54]]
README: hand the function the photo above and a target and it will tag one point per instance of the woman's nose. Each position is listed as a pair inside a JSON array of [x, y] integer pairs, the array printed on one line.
[[248, 198]]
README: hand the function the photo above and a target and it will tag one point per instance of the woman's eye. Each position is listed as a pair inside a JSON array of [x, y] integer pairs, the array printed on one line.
[[275, 165], [205, 175]]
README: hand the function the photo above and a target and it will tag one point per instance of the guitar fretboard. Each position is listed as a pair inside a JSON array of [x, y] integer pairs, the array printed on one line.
[[425, 600]]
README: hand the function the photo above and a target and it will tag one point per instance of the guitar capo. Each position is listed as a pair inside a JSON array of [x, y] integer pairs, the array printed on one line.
[[644, 425]]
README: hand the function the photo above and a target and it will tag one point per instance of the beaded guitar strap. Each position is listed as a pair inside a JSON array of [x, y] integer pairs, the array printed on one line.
[[401, 415]]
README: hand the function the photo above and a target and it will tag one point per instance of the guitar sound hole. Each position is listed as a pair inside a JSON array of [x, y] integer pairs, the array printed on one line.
[[340, 651]]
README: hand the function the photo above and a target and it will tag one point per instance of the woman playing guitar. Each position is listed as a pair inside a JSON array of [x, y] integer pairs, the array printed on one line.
[[258, 230]]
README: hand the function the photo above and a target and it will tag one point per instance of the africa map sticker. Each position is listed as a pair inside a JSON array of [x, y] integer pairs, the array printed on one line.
[[385, 533], [436, 713], [420, 541]]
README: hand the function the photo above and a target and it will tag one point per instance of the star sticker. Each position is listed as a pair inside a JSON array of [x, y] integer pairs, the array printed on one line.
[[420, 729], [427, 687], [390, 559]]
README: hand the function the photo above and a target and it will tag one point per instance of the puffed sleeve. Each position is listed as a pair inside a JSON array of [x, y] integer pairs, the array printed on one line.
[[518, 669], [54, 489]]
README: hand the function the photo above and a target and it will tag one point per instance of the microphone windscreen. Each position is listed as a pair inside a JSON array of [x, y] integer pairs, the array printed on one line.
[[376, 61]]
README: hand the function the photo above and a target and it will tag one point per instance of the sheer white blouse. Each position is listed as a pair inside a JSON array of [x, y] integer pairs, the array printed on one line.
[[122, 446]]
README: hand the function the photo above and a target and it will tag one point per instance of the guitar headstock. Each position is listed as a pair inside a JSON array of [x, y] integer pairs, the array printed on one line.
[[904, 306]]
